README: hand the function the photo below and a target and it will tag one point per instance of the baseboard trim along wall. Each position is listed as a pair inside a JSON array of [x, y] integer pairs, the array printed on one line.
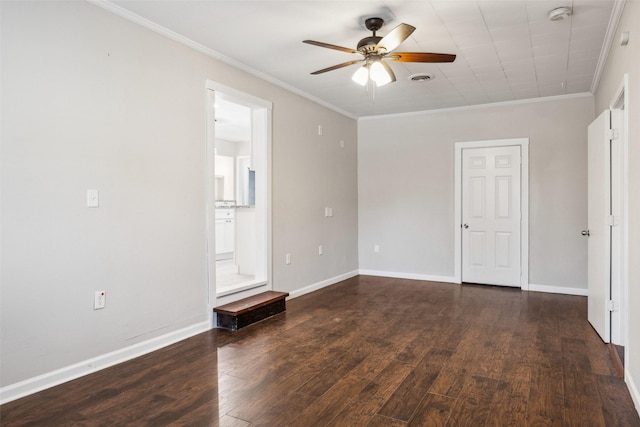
[[450, 279], [558, 290], [77, 370], [322, 284], [633, 389], [412, 276]]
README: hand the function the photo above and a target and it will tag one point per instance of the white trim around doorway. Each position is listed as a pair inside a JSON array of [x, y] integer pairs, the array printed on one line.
[[524, 194], [620, 184], [262, 116]]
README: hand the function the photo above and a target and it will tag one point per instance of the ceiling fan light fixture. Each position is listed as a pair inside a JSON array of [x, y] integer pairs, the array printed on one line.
[[361, 76], [559, 13], [379, 74], [373, 51], [374, 72]]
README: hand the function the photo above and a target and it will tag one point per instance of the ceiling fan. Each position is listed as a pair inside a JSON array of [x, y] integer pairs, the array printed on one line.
[[375, 50]]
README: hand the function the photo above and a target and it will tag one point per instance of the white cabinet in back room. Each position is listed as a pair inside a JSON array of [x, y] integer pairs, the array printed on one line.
[[225, 233]]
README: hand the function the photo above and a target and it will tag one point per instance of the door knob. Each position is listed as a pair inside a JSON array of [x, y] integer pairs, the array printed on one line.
[[585, 233], [466, 225]]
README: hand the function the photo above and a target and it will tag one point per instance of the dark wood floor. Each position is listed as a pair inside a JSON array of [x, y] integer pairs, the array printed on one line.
[[367, 351]]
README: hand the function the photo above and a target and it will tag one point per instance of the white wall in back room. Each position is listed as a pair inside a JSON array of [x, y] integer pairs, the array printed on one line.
[[406, 186]]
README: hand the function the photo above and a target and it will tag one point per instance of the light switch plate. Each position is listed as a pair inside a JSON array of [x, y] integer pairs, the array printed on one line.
[[93, 199]]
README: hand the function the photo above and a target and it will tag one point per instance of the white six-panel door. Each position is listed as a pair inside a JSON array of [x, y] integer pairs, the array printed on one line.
[[491, 215]]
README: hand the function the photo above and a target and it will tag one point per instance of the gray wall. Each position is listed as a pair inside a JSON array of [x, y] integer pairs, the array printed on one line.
[[623, 60], [406, 186], [312, 172], [90, 100]]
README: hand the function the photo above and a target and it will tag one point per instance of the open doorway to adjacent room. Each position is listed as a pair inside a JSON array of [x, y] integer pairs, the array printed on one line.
[[238, 130]]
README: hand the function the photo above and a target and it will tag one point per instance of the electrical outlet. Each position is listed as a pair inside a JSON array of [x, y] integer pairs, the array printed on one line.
[[100, 300], [287, 259], [320, 250]]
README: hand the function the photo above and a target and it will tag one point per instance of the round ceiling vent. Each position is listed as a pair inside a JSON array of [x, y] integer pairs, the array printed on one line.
[[421, 77]]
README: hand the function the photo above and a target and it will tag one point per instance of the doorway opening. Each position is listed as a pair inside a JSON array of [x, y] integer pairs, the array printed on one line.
[[239, 194], [235, 247]]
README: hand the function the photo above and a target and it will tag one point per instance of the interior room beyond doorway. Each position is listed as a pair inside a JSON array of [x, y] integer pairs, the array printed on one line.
[[235, 204]]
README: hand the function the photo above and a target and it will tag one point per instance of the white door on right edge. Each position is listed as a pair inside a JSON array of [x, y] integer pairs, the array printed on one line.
[[491, 215], [599, 210]]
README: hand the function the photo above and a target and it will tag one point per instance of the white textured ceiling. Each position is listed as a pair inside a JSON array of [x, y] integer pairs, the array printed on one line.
[[506, 49]]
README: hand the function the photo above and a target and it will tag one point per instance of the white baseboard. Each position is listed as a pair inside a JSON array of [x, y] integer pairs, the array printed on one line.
[[558, 290], [68, 373], [451, 279], [412, 276], [633, 389], [323, 284]]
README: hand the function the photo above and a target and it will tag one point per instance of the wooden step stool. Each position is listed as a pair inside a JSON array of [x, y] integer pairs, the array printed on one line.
[[246, 311]]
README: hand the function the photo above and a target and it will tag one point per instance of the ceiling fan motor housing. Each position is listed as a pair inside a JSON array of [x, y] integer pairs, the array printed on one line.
[[368, 44]]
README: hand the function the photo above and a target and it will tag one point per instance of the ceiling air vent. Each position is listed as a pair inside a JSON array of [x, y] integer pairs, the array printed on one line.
[[422, 77]]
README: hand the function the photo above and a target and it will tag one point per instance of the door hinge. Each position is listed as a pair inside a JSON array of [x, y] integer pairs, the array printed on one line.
[[611, 305], [612, 134], [611, 220]]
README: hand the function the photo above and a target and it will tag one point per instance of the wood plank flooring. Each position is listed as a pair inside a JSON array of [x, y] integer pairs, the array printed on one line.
[[368, 351]]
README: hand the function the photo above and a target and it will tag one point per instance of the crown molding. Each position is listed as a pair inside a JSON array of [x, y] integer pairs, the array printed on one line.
[[481, 106], [614, 20], [130, 16]]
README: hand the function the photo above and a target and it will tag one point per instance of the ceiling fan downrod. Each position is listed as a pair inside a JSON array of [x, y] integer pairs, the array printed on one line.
[[368, 44]]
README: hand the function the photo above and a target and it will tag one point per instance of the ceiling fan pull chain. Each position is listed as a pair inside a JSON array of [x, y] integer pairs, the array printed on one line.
[[371, 93]]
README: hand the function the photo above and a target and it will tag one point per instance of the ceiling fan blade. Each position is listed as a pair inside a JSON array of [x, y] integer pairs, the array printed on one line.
[[330, 46], [395, 37], [335, 67], [389, 70], [420, 57]]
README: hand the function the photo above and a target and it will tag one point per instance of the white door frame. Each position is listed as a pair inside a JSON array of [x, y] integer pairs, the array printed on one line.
[[620, 185], [262, 112], [524, 206]]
